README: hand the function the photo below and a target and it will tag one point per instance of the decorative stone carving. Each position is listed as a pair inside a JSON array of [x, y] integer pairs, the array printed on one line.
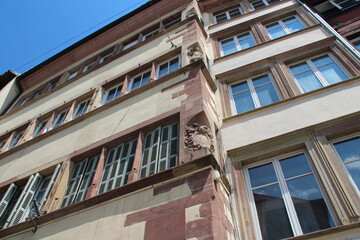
[[190, 13], [194, 53], [198, 137]]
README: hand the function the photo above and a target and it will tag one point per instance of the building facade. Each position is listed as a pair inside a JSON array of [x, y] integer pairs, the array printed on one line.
[[184, 119]]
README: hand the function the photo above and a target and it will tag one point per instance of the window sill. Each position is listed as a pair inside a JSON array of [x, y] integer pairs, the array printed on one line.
[[291, 100]]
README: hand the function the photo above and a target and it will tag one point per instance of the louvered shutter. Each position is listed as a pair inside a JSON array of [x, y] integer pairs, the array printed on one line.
[[26, 200], [150, 153], [48, 188], [86, 179], [7, 198], [74, 183]]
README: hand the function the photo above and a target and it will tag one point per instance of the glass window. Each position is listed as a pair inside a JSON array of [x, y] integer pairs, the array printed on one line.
[[286, 198], [160, 150], [118, 166], [41, 128], [140, 80], [284, 27], [16, 139], [60, 118], [252, 93], [80, 181], [112, 93], [236, 43], [173, 22], [222, 17], [349, 153], [89, 66], [2, 143], [105, 58], [317, 72], [149, 35], [127, 46], [72, 75], [169, 66], [262, 3], [343, 4], [357, 44], [81, 108]]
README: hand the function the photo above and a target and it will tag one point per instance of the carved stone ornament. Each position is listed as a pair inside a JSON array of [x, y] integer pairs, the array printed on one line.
[[198, 137], [194, 53]]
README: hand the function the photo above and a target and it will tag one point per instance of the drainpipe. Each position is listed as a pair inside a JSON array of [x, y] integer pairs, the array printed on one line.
[[350, 47]]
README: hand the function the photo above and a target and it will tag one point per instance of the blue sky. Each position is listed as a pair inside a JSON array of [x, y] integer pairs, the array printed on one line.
[[31, 28]]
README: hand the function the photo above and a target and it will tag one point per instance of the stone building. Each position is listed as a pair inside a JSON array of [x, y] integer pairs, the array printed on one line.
[[187, 119]]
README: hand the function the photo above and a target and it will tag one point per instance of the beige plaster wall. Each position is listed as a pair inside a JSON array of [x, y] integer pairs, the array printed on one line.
[[7, 94], [124, 115], [288, 117], [107, 221], [270, 49], [141, 55]]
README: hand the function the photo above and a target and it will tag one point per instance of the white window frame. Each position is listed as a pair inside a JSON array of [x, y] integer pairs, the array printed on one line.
[[265, 2], [317, 73], [228, 17], [106, 94], [150, 34], [237, 44], [168, 72], [284, 27], [75, 114], [289, 206], [142, 77], [343, 139], [56, 120], [73, 75], [252, 90], [41, 129]]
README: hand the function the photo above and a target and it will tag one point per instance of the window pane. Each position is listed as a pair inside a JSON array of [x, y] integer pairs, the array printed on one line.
[[266, 94], [228, 46], [245, 41], [239, 87], [293, 24], [305, 77], [329, 69], [146, 78], [174, 64], [234, 13], [258, 4], [262, 175], [349, 152], [221, 18], [243, 102], [309, 204], [275, 30], [163, 69], [295, 166], [273, 219]]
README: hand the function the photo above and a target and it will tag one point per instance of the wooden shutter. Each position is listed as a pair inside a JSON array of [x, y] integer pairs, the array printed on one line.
[[7, 198], [48, 188], [26, 200], [150, 153]]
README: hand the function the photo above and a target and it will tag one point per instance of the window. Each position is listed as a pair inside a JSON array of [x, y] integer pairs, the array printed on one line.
[[343, 4], [112, 93], [89, 66], [286, 199], [41, 128], [356, 43], [149, 35], [222, 17], [173, 22], [80, 181], [127, 46], [160, 150], [105, 58], [59, 119], [2, 143], [252, 93], [236, 43], [349, 153], [16, 139], [169, 66], [284, 27], [25, 100], [118, 166], [262, 3], [81, 108], [72, 75], [140, 80], [18, 202], [317, 72], [51, 85]]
